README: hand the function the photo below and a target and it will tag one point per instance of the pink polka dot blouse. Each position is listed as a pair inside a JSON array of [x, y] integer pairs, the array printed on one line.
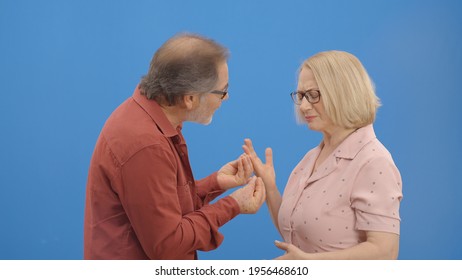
[[357, 189]]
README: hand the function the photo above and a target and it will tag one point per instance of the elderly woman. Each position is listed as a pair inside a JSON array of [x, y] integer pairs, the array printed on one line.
[[342, 199]]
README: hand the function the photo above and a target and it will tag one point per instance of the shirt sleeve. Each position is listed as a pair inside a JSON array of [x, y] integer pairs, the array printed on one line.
[[150, 197], [208, 188], [376, 196]]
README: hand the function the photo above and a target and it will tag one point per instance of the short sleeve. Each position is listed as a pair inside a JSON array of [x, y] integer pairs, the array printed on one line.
[[376, 196]]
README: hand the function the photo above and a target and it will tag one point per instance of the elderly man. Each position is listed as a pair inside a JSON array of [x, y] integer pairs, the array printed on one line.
[[142, 200]]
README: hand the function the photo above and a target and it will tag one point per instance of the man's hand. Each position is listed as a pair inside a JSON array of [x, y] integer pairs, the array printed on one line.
[[235, 173], [251, 197]]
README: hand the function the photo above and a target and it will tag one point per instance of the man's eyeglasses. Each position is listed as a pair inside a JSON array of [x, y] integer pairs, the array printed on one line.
[[222, 93], [313, 96]]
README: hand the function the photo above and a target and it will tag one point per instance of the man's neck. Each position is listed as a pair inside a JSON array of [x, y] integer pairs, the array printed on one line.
[[175, 115]]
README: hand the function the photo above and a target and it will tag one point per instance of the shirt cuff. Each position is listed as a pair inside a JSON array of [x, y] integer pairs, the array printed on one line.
[[372, 222], [227, 208], [208, 189], [208, 184]]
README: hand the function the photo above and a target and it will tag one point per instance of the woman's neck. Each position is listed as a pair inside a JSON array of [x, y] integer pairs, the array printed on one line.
[[333, 138]]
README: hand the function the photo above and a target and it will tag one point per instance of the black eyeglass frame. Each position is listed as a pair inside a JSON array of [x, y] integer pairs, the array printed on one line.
[[308, 96], [223, 93]]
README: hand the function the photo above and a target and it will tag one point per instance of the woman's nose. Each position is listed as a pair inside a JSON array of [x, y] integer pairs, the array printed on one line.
[[305, 105]]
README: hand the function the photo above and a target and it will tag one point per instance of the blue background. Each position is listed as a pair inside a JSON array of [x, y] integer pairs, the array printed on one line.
[[66, 65]]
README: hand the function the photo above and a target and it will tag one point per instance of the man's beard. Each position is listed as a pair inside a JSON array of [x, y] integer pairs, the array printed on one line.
[[200, 115]]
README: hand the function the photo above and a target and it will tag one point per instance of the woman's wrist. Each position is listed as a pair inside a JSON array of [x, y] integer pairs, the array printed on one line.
[[268, 180], [270, 186]]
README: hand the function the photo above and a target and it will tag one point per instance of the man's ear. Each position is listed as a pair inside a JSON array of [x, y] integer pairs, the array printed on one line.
[[190, 101]]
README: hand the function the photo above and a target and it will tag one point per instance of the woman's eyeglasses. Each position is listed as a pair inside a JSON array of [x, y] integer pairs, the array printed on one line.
[[313, 96]]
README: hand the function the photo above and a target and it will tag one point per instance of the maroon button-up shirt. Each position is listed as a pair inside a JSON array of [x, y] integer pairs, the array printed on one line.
[[142, 201]]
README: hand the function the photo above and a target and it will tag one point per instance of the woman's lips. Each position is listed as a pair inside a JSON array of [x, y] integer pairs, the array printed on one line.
[[309, 118]]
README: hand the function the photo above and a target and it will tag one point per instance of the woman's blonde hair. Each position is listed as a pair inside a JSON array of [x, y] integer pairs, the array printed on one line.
[[347, 91]]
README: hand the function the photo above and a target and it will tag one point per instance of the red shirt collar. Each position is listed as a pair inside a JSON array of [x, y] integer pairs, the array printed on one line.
[[155, 112]]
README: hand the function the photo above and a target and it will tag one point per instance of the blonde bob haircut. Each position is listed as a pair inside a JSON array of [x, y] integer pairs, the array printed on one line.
[[347, 92]]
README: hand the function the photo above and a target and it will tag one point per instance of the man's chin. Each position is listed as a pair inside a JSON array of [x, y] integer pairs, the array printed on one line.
[[209, 121], [204, 122]]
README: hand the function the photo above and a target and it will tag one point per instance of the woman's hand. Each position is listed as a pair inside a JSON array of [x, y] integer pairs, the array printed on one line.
[[262, 170], [292, 252], [378, 246]]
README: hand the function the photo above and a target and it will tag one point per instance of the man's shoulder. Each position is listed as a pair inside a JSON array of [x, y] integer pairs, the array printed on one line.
[[130, 129]]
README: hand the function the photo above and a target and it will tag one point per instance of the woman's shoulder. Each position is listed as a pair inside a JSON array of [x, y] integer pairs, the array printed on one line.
[[375, 155], [375, 149]]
